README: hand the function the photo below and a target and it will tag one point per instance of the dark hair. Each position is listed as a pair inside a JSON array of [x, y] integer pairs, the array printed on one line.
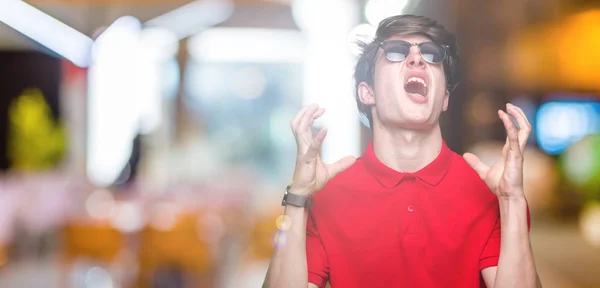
[[404, 25]]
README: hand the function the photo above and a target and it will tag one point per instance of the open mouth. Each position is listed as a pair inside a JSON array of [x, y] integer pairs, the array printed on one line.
[[416, 85]]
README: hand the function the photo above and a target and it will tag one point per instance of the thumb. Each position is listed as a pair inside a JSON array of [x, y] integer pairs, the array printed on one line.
[[476, 164], [340, 165]]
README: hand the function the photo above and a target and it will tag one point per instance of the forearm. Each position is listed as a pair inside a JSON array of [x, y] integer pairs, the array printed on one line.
[[288, 266], [516, 267]]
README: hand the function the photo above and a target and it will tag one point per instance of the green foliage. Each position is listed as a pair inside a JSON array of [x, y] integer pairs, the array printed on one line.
[[36, 141]]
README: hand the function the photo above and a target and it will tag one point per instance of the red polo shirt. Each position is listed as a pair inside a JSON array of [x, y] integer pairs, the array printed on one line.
[[372, 226]]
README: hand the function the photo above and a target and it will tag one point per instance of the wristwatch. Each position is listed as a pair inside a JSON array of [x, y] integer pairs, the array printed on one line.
[[295, 200]]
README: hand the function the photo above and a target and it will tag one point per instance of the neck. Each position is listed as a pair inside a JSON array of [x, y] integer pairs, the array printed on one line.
[[406, 150]]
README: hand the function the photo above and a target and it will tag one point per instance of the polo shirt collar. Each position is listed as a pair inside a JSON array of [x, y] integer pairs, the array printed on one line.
[[432, 174]]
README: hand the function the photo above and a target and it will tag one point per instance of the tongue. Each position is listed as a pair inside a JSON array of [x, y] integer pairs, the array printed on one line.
[[416, 88]]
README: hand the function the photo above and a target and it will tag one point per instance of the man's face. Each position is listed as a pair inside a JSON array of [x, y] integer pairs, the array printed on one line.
[[409, 94]]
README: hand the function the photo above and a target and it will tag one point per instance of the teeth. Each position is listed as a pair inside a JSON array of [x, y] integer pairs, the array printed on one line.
[[417, 79]]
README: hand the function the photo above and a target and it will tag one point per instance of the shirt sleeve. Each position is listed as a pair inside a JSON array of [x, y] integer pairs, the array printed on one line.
[[318, 266], [491, 251]]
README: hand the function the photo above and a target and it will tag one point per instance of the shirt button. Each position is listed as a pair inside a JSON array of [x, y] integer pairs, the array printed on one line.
[[411, 208]]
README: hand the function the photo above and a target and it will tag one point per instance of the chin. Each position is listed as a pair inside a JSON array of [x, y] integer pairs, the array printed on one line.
[[417, 121], [416, 113], [409, 122]]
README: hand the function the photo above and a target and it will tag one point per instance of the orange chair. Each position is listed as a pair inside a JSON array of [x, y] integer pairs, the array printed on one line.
[[263, 236], [91, 240], [179, 247], [95, 240], [263, 233], [3, 257], [258, 236]]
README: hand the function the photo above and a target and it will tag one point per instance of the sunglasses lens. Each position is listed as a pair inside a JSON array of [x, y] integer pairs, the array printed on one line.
[[396, 52], [432, 52]]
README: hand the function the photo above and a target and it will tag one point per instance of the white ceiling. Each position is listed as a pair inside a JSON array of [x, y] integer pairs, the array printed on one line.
[[88, 18]]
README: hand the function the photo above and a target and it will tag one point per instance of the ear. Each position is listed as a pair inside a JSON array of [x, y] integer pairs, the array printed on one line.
[[366, 94], [446, 97]]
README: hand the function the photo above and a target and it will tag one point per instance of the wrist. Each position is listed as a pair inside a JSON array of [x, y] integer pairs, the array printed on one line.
[[292, 210], [515, 215], [515, 195], [512, 200], [301, 191]]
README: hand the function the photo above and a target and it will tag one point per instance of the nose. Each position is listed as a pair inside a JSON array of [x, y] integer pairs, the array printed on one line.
[[414, 59]]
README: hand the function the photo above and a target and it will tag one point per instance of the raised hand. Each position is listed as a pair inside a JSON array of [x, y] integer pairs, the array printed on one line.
[[311, 174], [505, 178]]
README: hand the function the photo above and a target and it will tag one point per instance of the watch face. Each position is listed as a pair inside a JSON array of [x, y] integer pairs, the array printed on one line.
[[283, 201]]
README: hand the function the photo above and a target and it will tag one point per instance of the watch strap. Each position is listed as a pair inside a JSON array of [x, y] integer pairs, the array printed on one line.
[[296, 200]]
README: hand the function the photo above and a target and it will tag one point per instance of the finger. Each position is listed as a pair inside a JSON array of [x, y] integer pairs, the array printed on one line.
[[315, 146], [340, 165], [317, 114], [307, 118], [505, 149], [524, 126], [303, 132], [298, 116], [476, 164], [511, 130], [520, 111]]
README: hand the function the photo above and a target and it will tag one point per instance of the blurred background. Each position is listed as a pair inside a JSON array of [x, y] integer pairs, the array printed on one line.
[[146, 143]]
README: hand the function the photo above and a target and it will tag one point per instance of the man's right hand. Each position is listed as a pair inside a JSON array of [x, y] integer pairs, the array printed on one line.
[[311, 174]]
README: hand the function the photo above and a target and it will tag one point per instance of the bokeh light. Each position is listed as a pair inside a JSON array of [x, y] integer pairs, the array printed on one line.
[[581, 164], [580, 32], [377, 10], [164, 216], [540, 180], [314, 15], [100, 204], [590, 223], [283, 222], [211, 227], [560, 124], [98, 277], [251, 83], [128, 217], [279, 238], [481, 111]]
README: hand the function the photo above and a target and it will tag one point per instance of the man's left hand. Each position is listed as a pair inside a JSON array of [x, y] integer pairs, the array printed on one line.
[[505, 178]]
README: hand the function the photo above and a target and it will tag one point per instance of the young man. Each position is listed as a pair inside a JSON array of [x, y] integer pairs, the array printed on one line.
[[409, 212]]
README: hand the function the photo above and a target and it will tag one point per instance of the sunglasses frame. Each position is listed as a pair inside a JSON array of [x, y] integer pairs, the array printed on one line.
[[444, 47]]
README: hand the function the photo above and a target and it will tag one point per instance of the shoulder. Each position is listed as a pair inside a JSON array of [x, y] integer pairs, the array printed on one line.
[[460, 166], [463, 176], [470, 196]]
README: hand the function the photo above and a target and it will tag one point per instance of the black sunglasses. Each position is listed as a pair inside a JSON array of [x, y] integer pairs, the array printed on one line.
[[398, 50]]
